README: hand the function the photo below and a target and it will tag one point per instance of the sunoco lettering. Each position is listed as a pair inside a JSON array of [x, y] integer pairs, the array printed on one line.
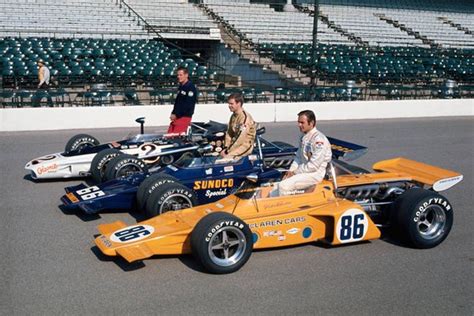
[[213, 184]]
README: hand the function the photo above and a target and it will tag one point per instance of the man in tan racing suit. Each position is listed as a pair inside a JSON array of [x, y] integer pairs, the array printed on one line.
[[312, 157], [240, 135]]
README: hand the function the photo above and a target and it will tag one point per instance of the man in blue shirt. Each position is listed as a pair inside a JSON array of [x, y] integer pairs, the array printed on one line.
[[184, 103]]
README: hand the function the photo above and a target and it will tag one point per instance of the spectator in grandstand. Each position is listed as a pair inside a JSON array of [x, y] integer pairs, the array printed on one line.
[[313, 155], [43, 77], [240, 135], [184, 103]]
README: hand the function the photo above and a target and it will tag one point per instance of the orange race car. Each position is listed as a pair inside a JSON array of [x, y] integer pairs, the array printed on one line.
[[350, 205]]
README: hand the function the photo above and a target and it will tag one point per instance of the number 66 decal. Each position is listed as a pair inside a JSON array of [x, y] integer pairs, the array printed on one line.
[[90, 193], [352, 226]]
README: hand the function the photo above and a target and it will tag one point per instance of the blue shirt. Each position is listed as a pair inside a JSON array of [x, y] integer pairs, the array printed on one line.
[[185, 100]]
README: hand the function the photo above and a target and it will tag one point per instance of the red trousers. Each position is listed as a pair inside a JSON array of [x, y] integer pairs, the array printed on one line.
[[179, 125]]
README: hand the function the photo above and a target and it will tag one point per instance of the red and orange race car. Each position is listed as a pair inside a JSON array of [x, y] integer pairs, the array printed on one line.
[[350, 205]]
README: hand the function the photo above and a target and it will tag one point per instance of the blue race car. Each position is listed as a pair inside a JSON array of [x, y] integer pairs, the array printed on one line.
[[196, 178]]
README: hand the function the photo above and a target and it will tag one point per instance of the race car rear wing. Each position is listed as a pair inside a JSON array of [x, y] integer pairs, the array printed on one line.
[[345, 150], [438, 178]]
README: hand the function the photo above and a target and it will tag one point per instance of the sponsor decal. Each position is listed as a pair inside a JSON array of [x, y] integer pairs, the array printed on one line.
[[132, 233], [440, 201], [277, 204], [72, 197], [352, 226], [340, 148], [228, 168], [272, 233], [293, 231], [208, 171], [219, 205], [222, 224], [281, 238], [220, 192], [278, 222], [105, 241], [47, 169], [213, 184], [445, 184]]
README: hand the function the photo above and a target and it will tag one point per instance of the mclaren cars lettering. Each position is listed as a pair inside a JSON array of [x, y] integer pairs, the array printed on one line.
[[278, 222], [90, 193], [213, 184], [132, 233]]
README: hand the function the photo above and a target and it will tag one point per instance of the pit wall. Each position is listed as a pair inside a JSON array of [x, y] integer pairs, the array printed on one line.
[[39, 119]]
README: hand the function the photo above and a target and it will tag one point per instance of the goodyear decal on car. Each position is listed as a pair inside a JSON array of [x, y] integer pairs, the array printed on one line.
[[213, 184]]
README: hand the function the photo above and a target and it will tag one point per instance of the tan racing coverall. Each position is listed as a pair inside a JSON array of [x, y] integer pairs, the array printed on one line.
[[240, 135]]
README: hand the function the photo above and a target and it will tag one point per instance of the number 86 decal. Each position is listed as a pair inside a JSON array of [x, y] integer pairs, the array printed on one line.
[[352, 226]]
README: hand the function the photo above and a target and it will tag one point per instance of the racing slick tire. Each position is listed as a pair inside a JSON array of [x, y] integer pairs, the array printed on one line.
[[80, 141], [124, 166], [100, 161], [170, 196], [421, 218], [149, 185], [221, 242]]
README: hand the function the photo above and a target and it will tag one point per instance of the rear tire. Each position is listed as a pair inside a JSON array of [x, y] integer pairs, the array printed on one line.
[[100, 161], [149, 185], [168, 197], [124, 166], [222, 242], [80, 141], [421, 218]]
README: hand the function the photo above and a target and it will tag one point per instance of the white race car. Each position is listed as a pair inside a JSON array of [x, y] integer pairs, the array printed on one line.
[[85, 156]]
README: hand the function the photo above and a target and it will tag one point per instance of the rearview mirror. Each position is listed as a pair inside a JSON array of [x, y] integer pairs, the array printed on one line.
[[253, 177]]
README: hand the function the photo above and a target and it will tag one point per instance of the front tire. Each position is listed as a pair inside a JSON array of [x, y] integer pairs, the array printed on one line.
[[124, 166], [421, 218], [221, 242], [150, 184], [100, 161], [80, 141], [168, 197]]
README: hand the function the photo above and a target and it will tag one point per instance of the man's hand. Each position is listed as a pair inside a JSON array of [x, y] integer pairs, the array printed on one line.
[[173, 117], [288, 174]]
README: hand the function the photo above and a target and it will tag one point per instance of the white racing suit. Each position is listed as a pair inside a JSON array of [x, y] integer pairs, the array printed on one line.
[[309, 166]]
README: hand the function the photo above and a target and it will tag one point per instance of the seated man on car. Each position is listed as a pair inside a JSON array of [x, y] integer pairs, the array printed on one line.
[[241, 131], [313, 155]]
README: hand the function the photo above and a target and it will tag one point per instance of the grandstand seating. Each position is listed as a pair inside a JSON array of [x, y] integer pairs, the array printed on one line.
[[85, 61], [176, 19], [66, 19]]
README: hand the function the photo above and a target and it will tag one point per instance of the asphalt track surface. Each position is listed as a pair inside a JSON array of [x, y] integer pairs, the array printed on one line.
[[49, 265]]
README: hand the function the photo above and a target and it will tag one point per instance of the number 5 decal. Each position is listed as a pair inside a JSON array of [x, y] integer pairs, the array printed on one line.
[[352, 226]]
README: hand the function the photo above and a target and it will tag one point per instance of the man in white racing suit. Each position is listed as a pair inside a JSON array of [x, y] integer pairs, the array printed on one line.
[[313, 155]]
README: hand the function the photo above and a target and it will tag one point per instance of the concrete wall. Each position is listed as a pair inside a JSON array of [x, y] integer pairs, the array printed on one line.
[[31, 119]]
